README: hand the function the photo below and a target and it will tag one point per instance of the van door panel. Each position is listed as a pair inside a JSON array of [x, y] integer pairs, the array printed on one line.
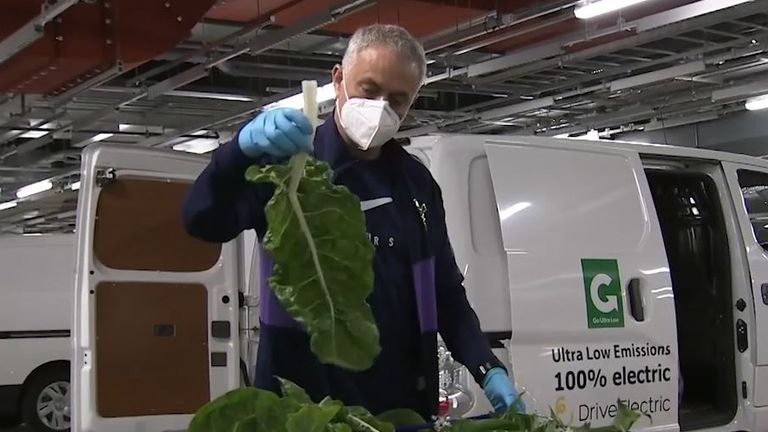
[[761, 390], [579, 227], [147, 296], [749, 188], [167, 357], [151, 236]]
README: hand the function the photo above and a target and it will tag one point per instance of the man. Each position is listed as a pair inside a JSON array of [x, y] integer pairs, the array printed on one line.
[[418, 287]]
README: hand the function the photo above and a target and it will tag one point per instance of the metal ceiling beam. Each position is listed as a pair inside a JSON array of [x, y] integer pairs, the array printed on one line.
[[662, 25], [275, 71], [629, 115], [733, 53], [216, 122], [101, 78], [741, 91], [522, 107], [263, 42], [33, 30], [493, 23], [689, 11], [658, 124], [249, 31], [659, 75], [259, 44]]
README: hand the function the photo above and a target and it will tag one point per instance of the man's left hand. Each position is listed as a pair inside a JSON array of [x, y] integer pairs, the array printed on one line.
[[501, 392]]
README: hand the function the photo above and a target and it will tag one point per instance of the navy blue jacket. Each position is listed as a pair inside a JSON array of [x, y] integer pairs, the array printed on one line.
[[418, 287]]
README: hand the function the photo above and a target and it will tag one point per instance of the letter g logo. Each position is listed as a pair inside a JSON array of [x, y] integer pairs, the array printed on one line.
[[602, 291], [611, 302]]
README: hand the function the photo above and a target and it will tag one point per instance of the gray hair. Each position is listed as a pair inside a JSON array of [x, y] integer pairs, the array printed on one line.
[[389, 35]]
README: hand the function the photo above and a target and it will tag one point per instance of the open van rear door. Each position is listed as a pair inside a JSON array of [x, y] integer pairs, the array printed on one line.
[[156, 317], [749, 188], [592, 308]]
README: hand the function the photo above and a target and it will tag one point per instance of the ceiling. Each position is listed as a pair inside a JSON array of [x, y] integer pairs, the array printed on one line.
[[185, 74]]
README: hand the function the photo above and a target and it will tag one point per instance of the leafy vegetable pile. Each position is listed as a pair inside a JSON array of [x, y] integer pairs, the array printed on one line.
[[253, 410], [323, 270]]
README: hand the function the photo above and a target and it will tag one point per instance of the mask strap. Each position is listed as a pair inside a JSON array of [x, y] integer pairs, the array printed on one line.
[[346, 95]]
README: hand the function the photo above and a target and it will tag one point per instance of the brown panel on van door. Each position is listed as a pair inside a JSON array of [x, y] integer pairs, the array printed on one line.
[[151, 348], [139, 227]]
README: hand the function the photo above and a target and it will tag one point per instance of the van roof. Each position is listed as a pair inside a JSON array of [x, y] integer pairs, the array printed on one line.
[[643, 148]]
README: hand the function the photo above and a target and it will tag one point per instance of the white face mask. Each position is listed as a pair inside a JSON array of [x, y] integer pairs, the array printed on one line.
[[369, 122]]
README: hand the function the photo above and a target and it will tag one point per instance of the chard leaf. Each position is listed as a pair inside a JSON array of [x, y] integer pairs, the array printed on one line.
[[361, 420], [292, 391], [224, 413], [311, 418], [625, 418], [323, 270], [401, 417]]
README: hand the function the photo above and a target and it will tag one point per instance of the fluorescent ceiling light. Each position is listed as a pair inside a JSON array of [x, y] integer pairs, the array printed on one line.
[[34, 188], [33, 134], [757, 103], [101, 137], [592, 135], [198, 145], [324, 94], [210, 95], [8, 205], [601, 7], [75, 186]]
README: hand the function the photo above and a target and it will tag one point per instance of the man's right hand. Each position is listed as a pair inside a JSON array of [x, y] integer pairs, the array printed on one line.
[[281, 132]]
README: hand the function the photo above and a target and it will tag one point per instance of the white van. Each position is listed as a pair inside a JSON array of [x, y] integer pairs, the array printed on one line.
[[37, 275], [596, 268], [36, 308]]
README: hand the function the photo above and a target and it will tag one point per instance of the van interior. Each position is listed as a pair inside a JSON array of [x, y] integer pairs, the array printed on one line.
[[696, 241]]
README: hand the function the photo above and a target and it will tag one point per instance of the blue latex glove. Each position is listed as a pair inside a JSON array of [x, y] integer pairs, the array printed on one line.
[[281, 132], [501, 392]]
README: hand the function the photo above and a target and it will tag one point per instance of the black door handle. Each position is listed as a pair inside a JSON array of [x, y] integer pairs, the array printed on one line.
[[635, 296], [742, 337], [764, 289]]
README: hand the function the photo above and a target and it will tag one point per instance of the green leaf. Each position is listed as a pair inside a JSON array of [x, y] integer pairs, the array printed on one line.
[[361, 420], [401, 417], [368, 424], [224, 413], [625, 418], [323, 270], [311, 418], [340, 427], [274, 419], [250, 424], [293, 391]]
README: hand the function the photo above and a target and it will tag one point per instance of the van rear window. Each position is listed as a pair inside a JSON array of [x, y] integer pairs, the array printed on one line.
[[139, 227], [754, 189]]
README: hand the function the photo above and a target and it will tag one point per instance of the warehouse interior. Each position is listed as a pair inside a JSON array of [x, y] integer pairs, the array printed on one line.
[[186, 74]]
